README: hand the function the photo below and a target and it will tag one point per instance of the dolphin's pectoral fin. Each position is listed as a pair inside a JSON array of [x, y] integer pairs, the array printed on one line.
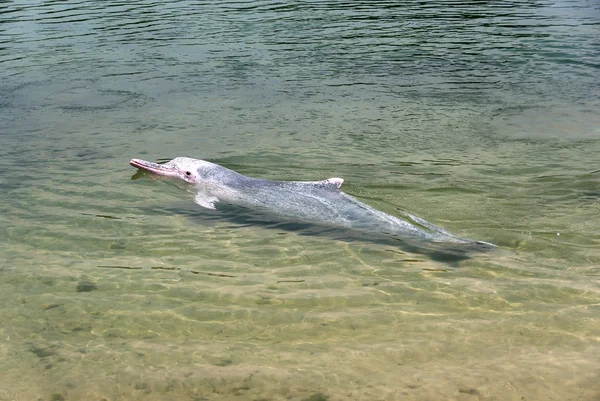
[[205, 200], [336, 182]]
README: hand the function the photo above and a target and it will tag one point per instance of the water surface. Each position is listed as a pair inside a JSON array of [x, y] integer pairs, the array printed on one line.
[[481, 117]]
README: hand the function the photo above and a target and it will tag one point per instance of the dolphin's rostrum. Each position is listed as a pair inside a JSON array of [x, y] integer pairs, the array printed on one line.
[[317, 202]]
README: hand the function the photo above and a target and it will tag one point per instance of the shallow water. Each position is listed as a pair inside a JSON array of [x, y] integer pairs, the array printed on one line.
[[480, 117]]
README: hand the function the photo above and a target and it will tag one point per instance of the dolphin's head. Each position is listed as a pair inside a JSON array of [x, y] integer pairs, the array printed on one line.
[[192, 171]]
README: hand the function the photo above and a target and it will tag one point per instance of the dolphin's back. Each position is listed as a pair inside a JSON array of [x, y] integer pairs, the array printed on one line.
[[321, 203]]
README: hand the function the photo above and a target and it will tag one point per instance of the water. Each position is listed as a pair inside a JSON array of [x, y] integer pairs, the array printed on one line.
[[481, 117]]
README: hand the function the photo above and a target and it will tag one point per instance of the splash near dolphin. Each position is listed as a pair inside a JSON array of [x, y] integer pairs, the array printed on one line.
[[317, 202]]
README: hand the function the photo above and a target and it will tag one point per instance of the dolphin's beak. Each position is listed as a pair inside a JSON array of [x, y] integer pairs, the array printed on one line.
[[155, 168]]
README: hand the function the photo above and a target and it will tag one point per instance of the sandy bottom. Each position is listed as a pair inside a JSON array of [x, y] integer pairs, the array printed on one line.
[[335, 329]]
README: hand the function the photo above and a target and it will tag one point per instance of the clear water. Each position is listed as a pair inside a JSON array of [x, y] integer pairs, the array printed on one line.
[[481, 117]]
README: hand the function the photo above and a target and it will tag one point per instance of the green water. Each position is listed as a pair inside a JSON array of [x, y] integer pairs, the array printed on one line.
[[481, 117]]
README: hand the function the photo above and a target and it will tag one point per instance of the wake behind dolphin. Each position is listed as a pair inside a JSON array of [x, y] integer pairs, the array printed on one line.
[[317, 202]]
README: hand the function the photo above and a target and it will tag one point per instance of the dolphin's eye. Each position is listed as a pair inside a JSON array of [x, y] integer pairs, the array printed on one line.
[[188, 173]]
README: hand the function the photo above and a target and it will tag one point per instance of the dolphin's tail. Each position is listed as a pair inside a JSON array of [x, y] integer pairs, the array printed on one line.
[[445, 236], [425, 223]]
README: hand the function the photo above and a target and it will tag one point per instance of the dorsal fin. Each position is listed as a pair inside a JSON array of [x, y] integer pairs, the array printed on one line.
[[336, 182]]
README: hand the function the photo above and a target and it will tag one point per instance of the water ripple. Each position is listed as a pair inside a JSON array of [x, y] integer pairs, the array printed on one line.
[[451, 41], [480, 116]]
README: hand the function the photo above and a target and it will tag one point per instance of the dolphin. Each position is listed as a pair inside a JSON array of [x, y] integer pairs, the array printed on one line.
[[316, 202]]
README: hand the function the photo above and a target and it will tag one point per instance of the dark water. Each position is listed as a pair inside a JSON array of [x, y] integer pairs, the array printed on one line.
[[479, 116]]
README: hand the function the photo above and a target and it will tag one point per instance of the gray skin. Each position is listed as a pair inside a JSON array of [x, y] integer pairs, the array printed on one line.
[[318, 202]]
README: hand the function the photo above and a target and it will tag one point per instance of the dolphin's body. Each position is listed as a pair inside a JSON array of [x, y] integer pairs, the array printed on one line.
[[318, 202]]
